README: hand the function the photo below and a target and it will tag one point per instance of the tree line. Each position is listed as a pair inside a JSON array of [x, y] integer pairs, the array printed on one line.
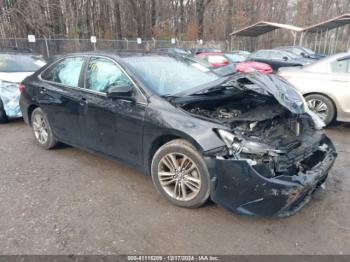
[[160, 19]]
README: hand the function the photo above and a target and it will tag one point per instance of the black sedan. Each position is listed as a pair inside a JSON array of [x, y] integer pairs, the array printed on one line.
[[247, 141], [279, 58], [302, 52]]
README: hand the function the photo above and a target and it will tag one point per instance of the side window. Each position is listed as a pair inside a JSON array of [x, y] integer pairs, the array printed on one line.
[[103, 73], [66, 72], [277, 55], [298, 51], [261, 54], [341, 67]]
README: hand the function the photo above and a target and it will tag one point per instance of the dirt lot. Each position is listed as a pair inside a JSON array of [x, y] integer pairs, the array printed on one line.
[[67, 201]]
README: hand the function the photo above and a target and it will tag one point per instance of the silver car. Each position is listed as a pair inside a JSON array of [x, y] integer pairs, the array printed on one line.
[[325, 86]]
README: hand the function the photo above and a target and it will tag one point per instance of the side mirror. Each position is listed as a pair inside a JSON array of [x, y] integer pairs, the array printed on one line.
[[121, 92], [303, 54], [285, 58]]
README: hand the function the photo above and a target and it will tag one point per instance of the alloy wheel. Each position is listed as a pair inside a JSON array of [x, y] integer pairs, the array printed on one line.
[[179, 176], [318, 107], [40, 129]]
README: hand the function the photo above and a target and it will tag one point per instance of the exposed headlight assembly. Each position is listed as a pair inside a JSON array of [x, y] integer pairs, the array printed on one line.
[[231, 141], [238, 144]]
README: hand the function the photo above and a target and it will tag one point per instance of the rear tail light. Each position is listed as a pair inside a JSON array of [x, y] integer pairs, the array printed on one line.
[[21, 88]]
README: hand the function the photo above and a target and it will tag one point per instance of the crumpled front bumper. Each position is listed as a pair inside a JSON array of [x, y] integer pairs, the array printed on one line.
[[238, 187]]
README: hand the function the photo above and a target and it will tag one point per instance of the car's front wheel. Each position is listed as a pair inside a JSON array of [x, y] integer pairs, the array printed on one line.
[[3, 116], [322, 106], [42, 130], [180, 174]]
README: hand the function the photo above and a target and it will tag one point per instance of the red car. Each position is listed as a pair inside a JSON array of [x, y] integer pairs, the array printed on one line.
[[214, 59], [221, 59], [251, 66]]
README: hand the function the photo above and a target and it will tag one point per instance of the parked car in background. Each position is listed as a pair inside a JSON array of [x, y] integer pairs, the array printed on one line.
[[244, 66], [200, 135], [238, 62], [239, 52], [278, 58], [325, 85], [302, 51], [196, 51], [175, 51], [235, 58], [14, 67], [215, 59], [252, 66]]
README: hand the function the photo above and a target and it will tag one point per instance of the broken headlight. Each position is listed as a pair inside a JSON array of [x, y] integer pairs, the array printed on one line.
[[232, 142], [237, 144]]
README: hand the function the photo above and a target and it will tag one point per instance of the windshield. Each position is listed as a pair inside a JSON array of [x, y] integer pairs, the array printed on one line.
[[20, 63], [308, 51], [169, 75], [290, 55]]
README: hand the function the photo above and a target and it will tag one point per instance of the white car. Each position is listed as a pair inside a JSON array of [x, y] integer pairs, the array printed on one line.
[[325, 86], [14, 68]]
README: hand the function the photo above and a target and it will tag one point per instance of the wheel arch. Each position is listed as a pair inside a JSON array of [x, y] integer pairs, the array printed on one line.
[[166, 138], [30, 110]]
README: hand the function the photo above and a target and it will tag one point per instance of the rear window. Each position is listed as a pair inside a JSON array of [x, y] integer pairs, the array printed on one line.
[[20, 63]]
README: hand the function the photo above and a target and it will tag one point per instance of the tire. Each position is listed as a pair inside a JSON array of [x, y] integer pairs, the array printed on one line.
[[41, 130], [3, 116], [326, 112], [192, 183]]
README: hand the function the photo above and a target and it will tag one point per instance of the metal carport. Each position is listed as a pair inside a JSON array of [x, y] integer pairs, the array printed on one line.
[[264, 27], [324, 36]]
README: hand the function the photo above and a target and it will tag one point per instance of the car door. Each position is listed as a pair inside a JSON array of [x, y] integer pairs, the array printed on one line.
[[262, 56], [279, 59], [339, 83], [60, 98], [341, 71], [112, 126]]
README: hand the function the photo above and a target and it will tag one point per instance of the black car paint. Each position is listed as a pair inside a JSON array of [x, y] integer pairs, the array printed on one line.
[[132, 131]]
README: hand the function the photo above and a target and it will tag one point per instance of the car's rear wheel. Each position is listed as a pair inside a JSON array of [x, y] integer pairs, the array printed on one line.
[[42, 130], [3, 116], [180, 174], [322, 106]]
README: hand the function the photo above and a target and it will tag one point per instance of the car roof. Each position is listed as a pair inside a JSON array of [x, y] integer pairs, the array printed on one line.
[[288, 47], [212, 53], [332, 58], [120, 56]]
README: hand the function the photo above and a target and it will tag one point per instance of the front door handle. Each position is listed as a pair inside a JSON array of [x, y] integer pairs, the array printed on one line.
[[42, 90], [83, 101]]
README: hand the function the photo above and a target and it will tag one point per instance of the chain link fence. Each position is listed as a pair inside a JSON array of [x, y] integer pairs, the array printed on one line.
[[51, 47]]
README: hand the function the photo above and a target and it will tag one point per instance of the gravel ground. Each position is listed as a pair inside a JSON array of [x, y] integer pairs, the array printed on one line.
[[67, 201]]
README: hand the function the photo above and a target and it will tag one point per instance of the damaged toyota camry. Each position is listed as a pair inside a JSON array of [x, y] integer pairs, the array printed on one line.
[[248, 142]]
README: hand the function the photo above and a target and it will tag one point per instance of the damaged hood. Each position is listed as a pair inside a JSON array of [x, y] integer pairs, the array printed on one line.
[[277, 87], [269, 85]]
